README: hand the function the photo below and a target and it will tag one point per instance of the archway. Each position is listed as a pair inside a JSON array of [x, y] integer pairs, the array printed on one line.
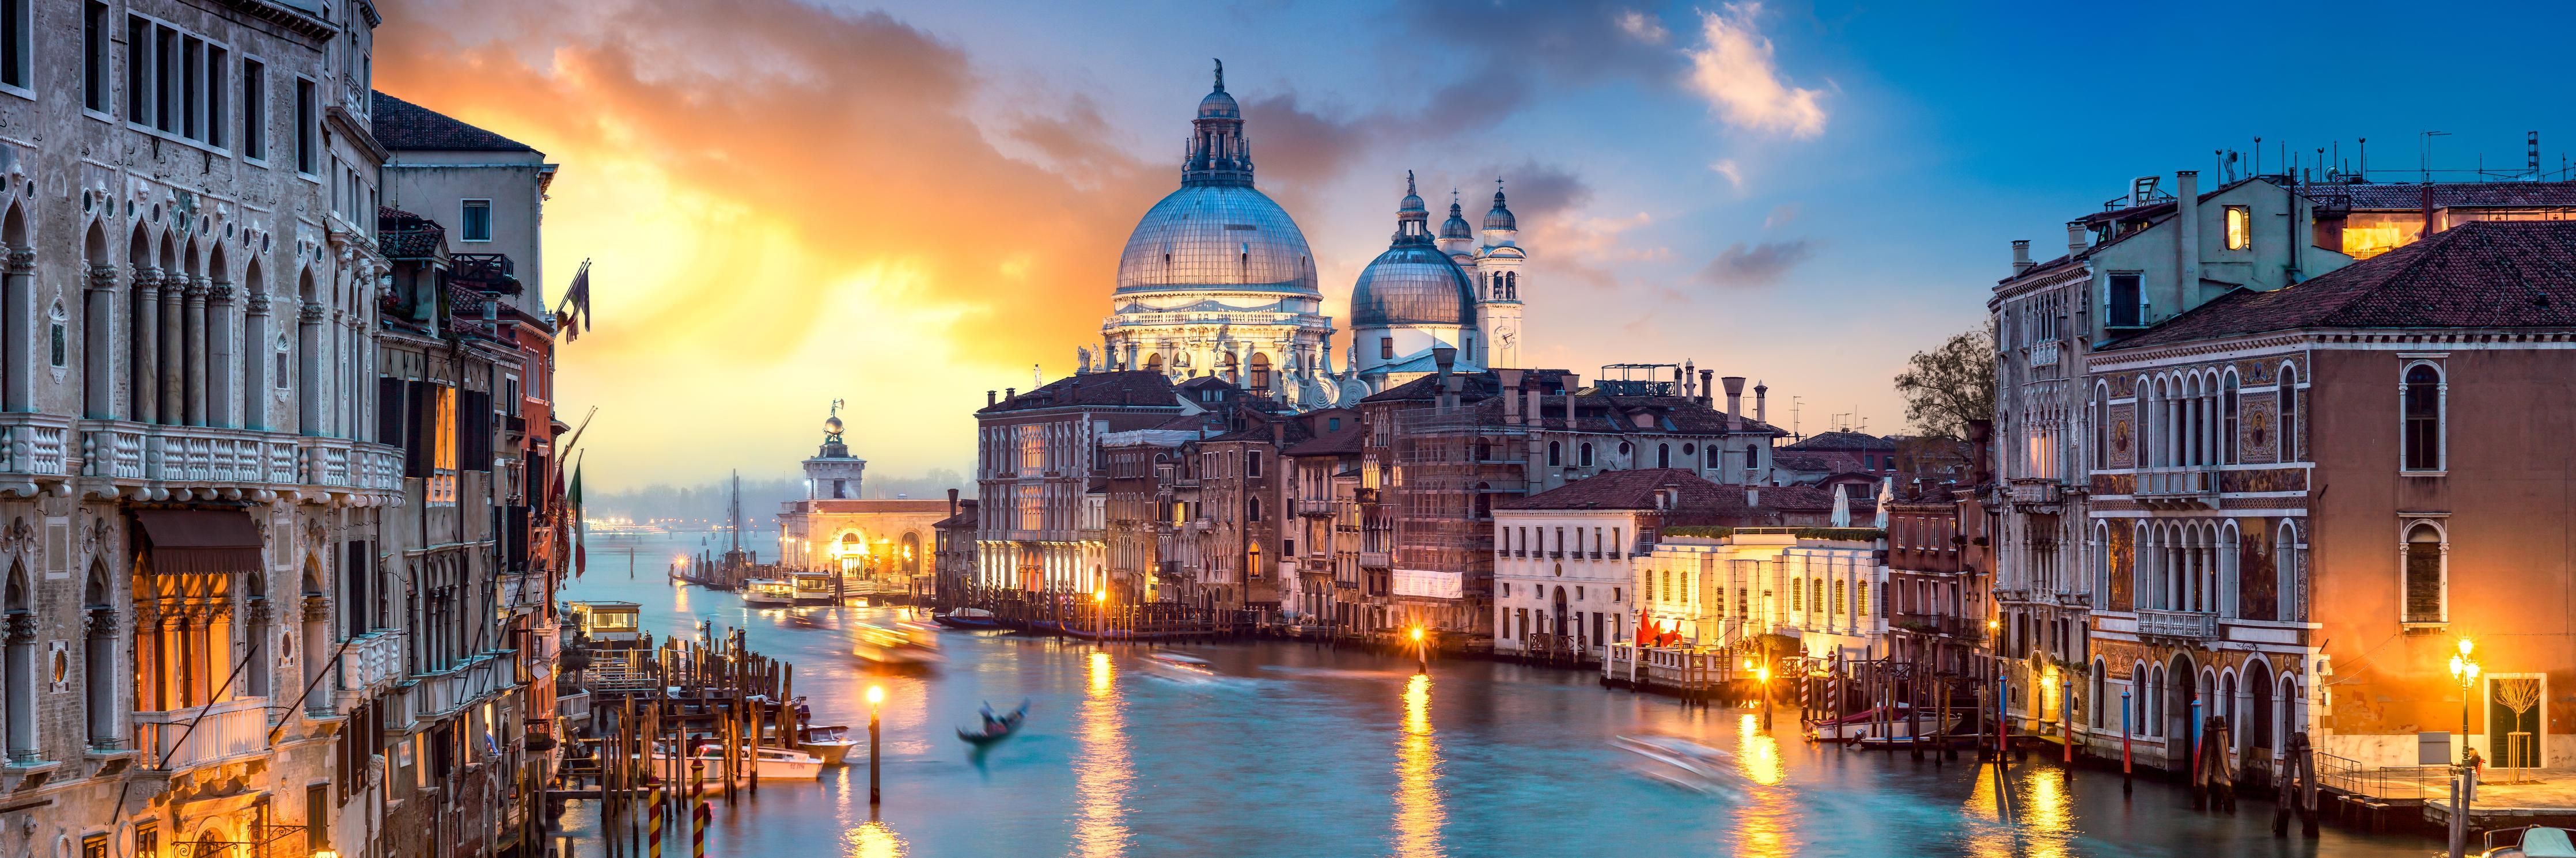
[[2260, 722], [1154, 362], [911, 553], [1260, 375], [1556, 624], [2182, 680]]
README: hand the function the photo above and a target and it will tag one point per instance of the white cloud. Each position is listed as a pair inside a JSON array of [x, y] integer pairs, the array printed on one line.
[[1735, 72], [1645, 28], [1727, 168]]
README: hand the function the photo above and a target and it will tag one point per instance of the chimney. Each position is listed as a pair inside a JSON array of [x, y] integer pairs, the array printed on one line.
[[1760, 412], [1707, 391], [2187, 216], [1734, 403], [1681, 381], [1572, 383], [1511, 381], [952, 502], [988, 399], [1278, 433], [1979, 432], [2021, 257], [1443, 357], [2075, 238], [2429, 226], [1690, 373]]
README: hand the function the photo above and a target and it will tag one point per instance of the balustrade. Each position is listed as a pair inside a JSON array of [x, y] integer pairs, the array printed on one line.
[[220, 732], [2199, 625]]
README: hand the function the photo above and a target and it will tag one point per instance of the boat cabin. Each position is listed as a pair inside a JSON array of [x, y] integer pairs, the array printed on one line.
[[814, 588], [613, 624]]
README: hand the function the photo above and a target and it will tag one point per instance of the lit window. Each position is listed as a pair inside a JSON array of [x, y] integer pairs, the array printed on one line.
[[2240, 228]]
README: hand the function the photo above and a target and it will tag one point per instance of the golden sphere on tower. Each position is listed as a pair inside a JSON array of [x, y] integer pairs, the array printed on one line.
[[832, 425]]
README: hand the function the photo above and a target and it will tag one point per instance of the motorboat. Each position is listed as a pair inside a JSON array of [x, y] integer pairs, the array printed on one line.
[[768, 593], [814, 588], [967, 618], [996, 728], [1683, 754], [904, 645], [830, 743], [611, 624], [1177, 661], [1879, 724], [2538, 841], [769, 764]]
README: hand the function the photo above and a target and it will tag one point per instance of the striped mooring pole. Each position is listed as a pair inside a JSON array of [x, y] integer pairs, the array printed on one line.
[[653, 824], [698, 817]]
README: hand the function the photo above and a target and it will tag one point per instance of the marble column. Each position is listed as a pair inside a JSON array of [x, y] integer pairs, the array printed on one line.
[[144, 386], [308, 381], [98, 345], [192, 354], [259, 359], [220, 363], [172, 375]]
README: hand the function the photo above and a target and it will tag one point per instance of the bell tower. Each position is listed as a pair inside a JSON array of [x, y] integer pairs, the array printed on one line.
[[1498, 285], [833, 474]]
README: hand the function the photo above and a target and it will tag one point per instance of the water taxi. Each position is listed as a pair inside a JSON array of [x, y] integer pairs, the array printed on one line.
[[611, 624], [831, 743], [905, 645], [814, 588], [768, 593], [769, 764]]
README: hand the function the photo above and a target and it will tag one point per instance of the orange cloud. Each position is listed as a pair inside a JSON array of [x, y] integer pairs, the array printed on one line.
[[786, 204]]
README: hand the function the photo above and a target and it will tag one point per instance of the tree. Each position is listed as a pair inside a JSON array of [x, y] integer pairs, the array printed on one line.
[[1948, 386]]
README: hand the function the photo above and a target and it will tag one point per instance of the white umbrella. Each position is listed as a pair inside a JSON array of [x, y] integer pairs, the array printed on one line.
[[1886, 495], [1842, 507]]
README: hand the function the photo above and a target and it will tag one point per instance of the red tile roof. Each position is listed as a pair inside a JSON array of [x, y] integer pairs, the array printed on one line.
[[2406, 197], [400, 124], [1835, 442], [1128, 388], [1634, 490], [2480, 274], [1346, 441]]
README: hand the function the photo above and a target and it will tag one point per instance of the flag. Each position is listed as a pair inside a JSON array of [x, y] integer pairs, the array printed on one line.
[[580, 553], [576, 299]]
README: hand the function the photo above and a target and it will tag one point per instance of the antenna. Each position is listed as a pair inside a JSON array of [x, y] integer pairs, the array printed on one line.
[[2424, 152], [1794, 402]]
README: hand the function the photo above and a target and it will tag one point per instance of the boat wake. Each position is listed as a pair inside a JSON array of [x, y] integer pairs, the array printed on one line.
[[1683, 763]]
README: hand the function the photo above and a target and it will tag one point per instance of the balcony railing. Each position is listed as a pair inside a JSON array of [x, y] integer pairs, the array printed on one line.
[[1311, 506], [2044, 353], [2177, 483], [436, 694], [226, 731], [1377, 560], [2198, 625], [371, 663], [126, 450], [573, 707], [2037, 491], [35, 444]]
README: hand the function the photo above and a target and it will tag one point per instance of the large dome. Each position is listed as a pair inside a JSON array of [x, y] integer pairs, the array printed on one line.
[[1412, 284], [1217, 237]]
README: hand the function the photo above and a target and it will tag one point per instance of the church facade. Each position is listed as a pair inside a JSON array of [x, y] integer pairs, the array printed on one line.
[[1217, 280]]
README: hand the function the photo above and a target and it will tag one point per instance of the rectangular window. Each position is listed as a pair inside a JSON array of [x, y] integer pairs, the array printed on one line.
[[2126, 306], [216, 107], [2240, 228], [138, 52], [1386, 348], [192, 87], [165, 78], [16, 45], [94, 846], [60, 349], [317, 816], [308, 151], [147, 839], [94, 56], [476, 224], [254, 100], [1252, 464]]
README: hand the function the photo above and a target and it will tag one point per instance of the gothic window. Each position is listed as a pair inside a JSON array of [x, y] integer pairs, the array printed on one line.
[[2227, 412], [2423, 418], [2289, 562], [1555, 452], [2426, 555], [1663, 455], [1586, 454], [2289, 428]]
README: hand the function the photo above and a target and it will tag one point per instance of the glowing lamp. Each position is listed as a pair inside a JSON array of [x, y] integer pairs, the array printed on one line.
[[326, 853], [1100, 595], [1417, 633], [2465, 646], [876, 694]]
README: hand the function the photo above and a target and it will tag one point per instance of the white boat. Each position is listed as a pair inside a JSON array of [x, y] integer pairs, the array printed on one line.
[[770, 764], [768, 593], [2538, 841], [1865, 725], [813, 588], [1177, 661], [831, 743]]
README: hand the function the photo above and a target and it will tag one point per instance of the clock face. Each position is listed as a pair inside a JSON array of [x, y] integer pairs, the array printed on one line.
[[1506, 337]]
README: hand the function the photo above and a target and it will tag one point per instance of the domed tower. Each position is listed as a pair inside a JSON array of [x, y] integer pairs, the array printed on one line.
[[1217, 279], [1409, 300], [1498, 281], [833, 474], [1456, 238]]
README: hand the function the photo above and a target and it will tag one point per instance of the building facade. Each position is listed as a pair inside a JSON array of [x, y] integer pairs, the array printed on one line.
[[1037, 455]]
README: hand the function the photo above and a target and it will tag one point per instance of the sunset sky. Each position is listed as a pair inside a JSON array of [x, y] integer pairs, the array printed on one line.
[[905, 205]]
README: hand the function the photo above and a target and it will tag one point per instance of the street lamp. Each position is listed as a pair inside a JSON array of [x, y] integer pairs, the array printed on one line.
[[1421, 654], [876, 697], [2465, 670], [1100, 612], [1763, 674]]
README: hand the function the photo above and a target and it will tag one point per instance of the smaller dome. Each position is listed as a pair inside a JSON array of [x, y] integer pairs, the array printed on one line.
[[1456, 225], [1500, 217], [1218, 105], [1412, 202], [1412, 284]]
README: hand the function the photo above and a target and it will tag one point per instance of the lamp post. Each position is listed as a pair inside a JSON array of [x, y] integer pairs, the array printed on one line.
[[876, 697], [1763, 674], [2464, 669], [1421, 654], [1100, 613]]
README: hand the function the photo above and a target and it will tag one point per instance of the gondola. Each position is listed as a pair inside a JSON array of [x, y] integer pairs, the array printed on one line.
[[967, 618], [996, 730]]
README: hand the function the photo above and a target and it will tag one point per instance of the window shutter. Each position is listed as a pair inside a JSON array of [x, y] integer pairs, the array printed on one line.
[[389, 410], [415, 429]]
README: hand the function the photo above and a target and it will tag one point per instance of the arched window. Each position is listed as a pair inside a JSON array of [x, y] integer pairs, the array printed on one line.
[[1797, 595], [2100, 681], [2289, 398], [1484, 501], [1226, 368], [2099, 413], [1154, 362], [2102, 558], [1556, 453], [2425, 555], [2227, 570], [1252, 509], [2227, 412], [1663, 455], [1585, 453], [98, 664], [1716, 457], [2289, 563], [1260, 373], [21, 668], [2423, 409]]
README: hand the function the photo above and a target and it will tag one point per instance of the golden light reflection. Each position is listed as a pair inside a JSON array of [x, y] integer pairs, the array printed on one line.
[[1765, 824], [1418, 814], [1984, 832], [1104, 772], [874, 840], [2047, 813]]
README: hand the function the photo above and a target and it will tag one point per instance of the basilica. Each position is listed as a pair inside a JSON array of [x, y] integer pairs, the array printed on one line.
[[1217, 280]]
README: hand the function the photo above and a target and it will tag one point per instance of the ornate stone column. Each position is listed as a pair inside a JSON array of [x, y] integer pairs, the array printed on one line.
[[220, 361], [258, 360], [26, 349], [172, 376], [22, 685], [192, 354], [99, 675], [144, 377], [98, 345], [308, 381], [316, 639]]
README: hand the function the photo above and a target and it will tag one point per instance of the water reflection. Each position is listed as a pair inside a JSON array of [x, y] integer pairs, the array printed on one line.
[[1102, 774], [2046, 819], [1764, 824], [1418, 814], [874, 840]]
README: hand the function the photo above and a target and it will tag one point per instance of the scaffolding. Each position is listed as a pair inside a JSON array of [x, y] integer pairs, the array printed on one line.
[[1450, 466]]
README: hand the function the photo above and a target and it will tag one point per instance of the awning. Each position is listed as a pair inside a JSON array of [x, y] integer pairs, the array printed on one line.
[[200, 541]]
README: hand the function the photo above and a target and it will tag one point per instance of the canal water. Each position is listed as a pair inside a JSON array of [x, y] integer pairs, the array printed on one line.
[[1293, 750]]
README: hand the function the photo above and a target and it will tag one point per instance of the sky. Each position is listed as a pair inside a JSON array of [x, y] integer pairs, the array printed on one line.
[[904, 205]]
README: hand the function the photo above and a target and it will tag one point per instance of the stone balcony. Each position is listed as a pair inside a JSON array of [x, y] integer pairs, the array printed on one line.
[[154, 462], [2186, 486], [2191, 625], [433, 695], [371, 663], [222, 732]]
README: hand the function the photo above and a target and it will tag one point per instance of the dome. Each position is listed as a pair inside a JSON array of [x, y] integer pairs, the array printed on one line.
[[1500, 217], [1412, 284], [1218, 105], [1218, 237], [1456, 225]]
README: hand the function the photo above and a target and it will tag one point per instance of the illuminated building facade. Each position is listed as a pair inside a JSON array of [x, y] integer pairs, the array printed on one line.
[[834, 529]]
